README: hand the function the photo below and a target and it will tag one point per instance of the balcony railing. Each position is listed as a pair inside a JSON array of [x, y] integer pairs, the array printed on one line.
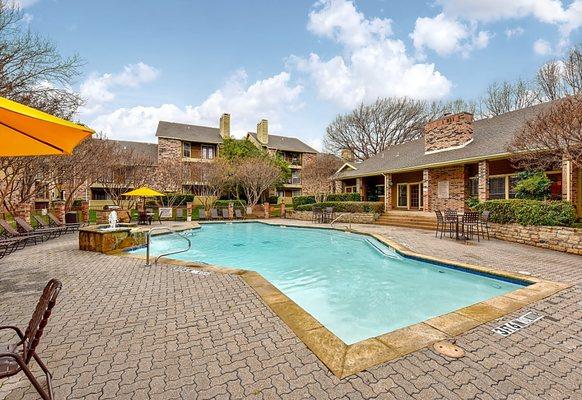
[[294, 181]]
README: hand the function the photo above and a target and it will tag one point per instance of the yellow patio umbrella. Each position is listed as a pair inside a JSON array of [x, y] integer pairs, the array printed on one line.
[[144, 192], [26, 131]]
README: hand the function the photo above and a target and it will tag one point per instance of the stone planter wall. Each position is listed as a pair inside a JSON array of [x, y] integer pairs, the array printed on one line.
[[558, 238], [354, 218], [93, 239]]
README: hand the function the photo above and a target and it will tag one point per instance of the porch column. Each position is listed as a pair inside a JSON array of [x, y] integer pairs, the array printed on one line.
[[570, 176], [426, 192], [359, 187], [483, 180], [387, 192]]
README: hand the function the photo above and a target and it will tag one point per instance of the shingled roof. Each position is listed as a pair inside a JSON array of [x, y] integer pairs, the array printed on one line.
[[285, 143], [191, 133], [149, 151], [491, 138]]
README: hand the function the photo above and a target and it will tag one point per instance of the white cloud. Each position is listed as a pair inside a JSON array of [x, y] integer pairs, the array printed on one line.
[[268, 98], [542, 47], [446, 36], [99, 89], [514, 32], [566, 15], [372, 65]]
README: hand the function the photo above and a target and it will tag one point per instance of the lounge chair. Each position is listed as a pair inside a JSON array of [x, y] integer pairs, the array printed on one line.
[[201, 213], [45, 225], [27, 228], [238, 214], [9, 246], [16, 357], [225, 213], [71, 226], [214, 213], [11, 232]]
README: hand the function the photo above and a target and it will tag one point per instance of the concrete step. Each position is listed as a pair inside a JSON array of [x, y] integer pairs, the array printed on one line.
[[408, 220]]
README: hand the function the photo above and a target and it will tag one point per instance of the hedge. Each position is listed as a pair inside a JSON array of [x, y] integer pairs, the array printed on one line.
[[529, 212], [302, 200], [346, 206]]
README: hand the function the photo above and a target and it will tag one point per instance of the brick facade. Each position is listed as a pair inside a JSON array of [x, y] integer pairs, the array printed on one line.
[[457, 186], [483, 176], [169, 150], [448, 131]]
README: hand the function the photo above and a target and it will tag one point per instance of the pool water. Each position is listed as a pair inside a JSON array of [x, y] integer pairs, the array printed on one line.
[[353, 284]]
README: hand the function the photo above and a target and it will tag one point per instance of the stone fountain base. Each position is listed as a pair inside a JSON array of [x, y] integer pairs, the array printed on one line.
[[102, 239]]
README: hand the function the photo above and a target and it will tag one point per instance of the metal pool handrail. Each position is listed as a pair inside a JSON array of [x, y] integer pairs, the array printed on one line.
[[338, 217], [148, 242]]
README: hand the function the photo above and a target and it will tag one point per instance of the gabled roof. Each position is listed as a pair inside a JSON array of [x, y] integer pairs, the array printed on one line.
[[491, 137], [191, 133], [285, 143], [149, 151]]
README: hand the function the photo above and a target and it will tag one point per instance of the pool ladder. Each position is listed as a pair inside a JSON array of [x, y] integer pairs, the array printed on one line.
[[338, 217], [148, 243]]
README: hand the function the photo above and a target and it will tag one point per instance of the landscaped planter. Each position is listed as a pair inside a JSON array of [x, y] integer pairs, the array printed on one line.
[[559, 238], [354, 218]]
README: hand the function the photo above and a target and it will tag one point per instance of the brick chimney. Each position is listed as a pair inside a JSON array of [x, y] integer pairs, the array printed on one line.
[[263, 132], [225, 126], [447, 132]]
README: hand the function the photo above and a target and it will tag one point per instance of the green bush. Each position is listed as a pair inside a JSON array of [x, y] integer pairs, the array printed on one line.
[[346, 206], [530, 212], [273, 199], [302, 200], [532, 185], [344, 197], [224, 203]]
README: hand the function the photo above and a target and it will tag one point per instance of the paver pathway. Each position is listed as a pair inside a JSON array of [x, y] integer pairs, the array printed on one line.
[[124, 331]]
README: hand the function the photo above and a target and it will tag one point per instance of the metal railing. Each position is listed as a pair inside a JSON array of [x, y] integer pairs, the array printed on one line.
[[338, 217], [148, 243]]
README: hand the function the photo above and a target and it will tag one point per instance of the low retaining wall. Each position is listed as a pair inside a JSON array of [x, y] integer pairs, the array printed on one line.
[[354, 218], [93, 239], [558, 238]]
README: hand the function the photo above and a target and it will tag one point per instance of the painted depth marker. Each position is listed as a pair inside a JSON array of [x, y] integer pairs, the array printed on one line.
[[518, 323]]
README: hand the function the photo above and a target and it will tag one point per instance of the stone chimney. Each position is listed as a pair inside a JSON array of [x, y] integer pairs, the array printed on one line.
[[225, 126], [347, 155], [263, 132], [448, 132]]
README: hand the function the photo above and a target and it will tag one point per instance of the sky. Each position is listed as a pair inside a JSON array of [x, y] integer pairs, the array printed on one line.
[[297, 63]]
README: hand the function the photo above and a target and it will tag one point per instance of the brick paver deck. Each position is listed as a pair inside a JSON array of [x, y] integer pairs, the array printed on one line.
[[124, 331]]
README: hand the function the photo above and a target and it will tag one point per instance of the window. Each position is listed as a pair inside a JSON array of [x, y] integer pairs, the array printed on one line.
[[207, 152], [512, 182], [497, 188], [350, 189], [402, 198], [295, 178], [296, 192], [474, 187], [187, 149]]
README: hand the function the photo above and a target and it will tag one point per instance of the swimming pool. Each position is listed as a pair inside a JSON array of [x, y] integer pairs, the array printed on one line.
[[353, 284]]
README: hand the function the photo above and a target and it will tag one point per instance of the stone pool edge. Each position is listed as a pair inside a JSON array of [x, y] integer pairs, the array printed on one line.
[[344, 360]]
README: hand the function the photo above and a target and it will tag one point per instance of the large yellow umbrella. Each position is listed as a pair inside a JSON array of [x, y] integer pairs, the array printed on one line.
[[143, 192], [26, 131]]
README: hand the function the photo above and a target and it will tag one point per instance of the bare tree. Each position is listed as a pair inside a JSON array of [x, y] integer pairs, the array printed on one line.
[[369, 129], [255, 176], [32, 71], [316, 175], [169, 178], [503, 97], [210, 180], [550, 136], [563, 77], [573, 70], [81, 168]]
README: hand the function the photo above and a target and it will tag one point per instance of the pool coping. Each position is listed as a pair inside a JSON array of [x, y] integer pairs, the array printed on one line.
[[344, 360]]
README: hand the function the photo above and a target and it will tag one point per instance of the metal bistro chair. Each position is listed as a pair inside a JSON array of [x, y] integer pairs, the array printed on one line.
[[328, 214], [485, 223], [471, 224], [442, 226], [317, 215], [451, 219], [15, 357]]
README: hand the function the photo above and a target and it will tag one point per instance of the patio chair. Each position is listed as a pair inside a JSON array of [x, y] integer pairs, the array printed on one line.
[[45, 225], [10, 231], [443, 226], [328, 214], [484, 222], [317, 215], [15, 357], [238, 214], [225, 213], [451, 219], [214, 213], [27, 228], [201, 213], [143, 218], [471, 224], [54, 221], [9, 246]]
